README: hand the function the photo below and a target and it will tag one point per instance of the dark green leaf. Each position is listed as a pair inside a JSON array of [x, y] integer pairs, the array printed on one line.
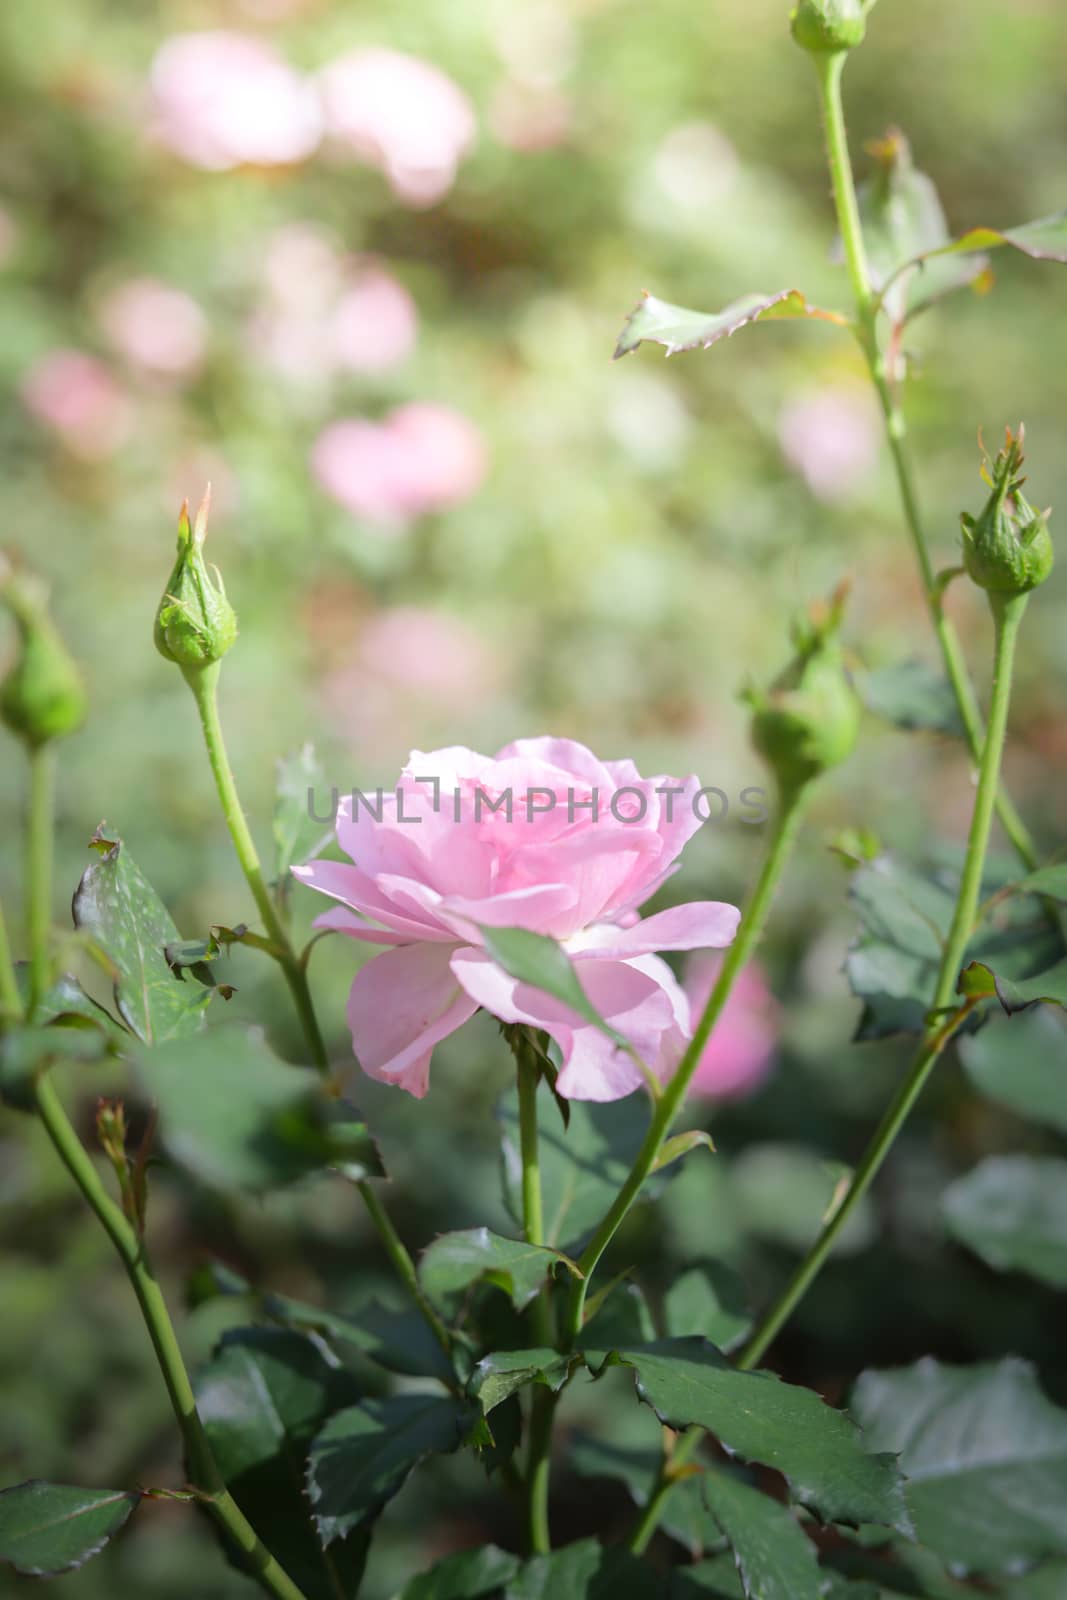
[[912, 695], [237, 1117], [66, 1002], [1012, 1211], [985, 1457], [757, 1417], [1021, 1062], [677, 329], [455, 1261], [708, 1300], [685, 1516], [617, 1316], [582, 1167], [585, 1571], [680, 1145], [118, 908], [717, 1579], [774, 1556], [297, 836], [1050, 881], [1047, 1583], [46, 1528], [507, 1371], [399, 1341], [785, 1192], [468, 1575], [263, 1397], [535, 959], [363, 1455], [26, 1050]]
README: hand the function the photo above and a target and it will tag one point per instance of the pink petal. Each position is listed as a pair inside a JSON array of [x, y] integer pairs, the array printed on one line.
[[341, 920], [566, 754], [699, 925], [401, 1004], [348, 884], [535, 908]]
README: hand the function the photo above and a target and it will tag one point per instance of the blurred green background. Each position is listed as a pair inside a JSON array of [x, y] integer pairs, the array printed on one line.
[[198, 281]]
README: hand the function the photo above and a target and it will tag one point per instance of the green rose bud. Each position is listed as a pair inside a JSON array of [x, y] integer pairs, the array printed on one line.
[[825, 26], [1007, 549], [807, 721], [195, 623], [42, 697]]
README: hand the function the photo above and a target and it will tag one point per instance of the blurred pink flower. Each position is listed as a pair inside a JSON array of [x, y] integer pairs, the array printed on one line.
[[78, 397], [422, 458], [227, 100], [529, 119], [374, 324], [540, 863], [402, 115], [739, 1054], [831, 437], [155, 327], [303, 264], [412, 667]]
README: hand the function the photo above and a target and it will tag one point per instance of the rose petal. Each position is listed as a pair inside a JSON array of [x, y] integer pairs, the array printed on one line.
[[401, 1004]]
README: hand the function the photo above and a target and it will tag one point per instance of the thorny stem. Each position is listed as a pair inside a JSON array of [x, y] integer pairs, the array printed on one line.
[[829, 69]]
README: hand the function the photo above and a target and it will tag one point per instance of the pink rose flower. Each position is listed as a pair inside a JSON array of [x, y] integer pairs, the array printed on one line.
[[77, 396], [225, 100], [402, 115], [424, 881], [374, 323], [422, 458], [155, 327], [738, 1056]]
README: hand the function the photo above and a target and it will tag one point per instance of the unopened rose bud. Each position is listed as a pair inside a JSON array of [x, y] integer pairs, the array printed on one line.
[[807, 721], [195, 623], [42, 697], [826, 26], [1007, 548]]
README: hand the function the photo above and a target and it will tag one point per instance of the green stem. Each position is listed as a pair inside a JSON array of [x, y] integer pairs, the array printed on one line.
[[786, 824], [40, 828], [203, 1468], [400, 1257], [542, 1403], [204, 685], [1007, 616], [10, 999], [829, 69]]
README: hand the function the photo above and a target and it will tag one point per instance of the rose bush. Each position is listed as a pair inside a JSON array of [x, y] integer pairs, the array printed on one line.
[[541, 836]]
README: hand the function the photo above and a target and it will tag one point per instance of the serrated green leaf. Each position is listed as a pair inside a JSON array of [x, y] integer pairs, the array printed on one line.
[[680, 1145], [761, 1419], [505, 1372], [235, 1116], [585, 1571], [774, 1557], [455, 1261], [1021, 1062], [1050, 881], [1014, 995], [262, 1398], [583, 1166], [785, 1192], [363, 1455], [1043, 240], [679, 329], [634, 1458], [48, 1528], [1012, 1211], [912, 695], [708, 1300], [297, 836], [716, 1579], [118, 908], [984, 1454], [25, 1051], [468, 1575], [541, 962]]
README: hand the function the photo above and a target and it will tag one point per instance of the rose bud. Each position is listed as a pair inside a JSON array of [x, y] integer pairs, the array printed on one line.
[[195, 623], [1007, 549], [42, 697], [825, 26]]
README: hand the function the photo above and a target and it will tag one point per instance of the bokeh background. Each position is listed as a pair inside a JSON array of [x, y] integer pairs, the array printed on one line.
[[361, 266]]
